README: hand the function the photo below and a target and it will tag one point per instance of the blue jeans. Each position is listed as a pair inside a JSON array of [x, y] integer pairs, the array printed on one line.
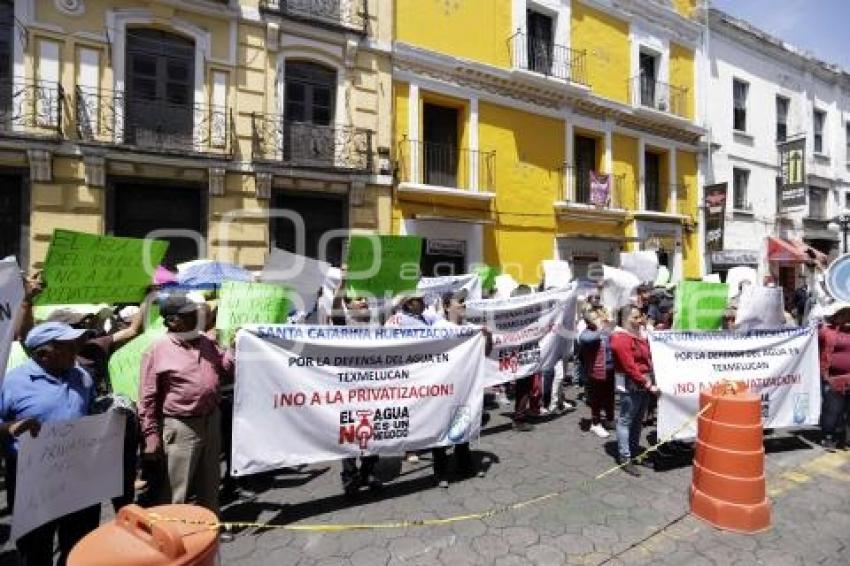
[[633, 405]]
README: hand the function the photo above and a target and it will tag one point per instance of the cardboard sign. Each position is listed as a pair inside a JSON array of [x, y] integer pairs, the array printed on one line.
[[700, 305], [382, 265], [243, 303], [303, 276], [87, 268], [69, 466]]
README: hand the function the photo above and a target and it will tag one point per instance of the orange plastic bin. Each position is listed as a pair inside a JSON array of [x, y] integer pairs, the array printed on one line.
[[131, 539]]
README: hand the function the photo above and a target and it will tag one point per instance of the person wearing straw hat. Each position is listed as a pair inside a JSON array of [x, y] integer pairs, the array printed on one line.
[[834, 347]]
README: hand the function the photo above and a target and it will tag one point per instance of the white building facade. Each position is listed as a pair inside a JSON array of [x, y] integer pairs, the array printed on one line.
[[762, 91]]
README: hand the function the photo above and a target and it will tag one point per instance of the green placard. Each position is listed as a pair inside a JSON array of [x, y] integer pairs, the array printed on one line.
[[382, 265], [87, 268], [125, 364], [249, 303], [487, 274], [700, 305]]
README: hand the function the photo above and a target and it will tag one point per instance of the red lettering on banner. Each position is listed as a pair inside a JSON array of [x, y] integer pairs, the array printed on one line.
[[347, 434]]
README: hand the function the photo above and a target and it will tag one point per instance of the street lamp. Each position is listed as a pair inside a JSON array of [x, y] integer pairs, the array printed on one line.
[[842, 223]]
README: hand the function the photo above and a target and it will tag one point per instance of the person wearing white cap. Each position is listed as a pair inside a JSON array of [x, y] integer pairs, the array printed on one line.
[[51, 386]]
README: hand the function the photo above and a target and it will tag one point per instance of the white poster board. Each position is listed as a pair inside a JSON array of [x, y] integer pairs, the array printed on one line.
[[11, 297], [642, 264], [71, 465], [760, 308], [303, 275], [557, 273]]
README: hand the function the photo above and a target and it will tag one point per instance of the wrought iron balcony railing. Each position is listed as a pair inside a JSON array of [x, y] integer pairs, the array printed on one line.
[[299, 144], [351, 15], [444, 165], [110, 117], [576, 187], [31, 108], [548, 59], [649, 93], [658, 197]]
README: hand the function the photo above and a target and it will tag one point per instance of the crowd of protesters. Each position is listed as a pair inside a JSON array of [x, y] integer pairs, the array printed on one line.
[[178, 434]]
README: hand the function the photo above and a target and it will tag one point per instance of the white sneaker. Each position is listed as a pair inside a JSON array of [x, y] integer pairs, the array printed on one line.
[[600, 431]]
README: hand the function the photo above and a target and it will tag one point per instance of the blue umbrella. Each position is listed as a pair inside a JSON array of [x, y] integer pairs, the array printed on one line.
[[211, 275]]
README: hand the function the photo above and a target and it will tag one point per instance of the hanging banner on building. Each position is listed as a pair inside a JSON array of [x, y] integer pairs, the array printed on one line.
[[11, 297], [530, 332], [315, 393], [88, 268], [715, 214], [69, 466], [600, 189], [781, 366], [792, 182]]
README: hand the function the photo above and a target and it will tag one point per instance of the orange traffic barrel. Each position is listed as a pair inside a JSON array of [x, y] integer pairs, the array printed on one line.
[[728, 488], [136, 538]]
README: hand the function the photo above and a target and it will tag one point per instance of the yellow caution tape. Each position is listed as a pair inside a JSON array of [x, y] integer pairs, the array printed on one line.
[[405, 523]]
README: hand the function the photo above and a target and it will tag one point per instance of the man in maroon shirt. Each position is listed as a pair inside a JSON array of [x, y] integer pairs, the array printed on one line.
[[178, 404]]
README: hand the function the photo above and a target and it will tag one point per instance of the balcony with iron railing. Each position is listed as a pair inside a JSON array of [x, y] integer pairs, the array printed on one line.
[[645, 92], [112, 118], [300, 144], [576, 188], [427, 166], [347, 15], [31, 108], [551, 60]]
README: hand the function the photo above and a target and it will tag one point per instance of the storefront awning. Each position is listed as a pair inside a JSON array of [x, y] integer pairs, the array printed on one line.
[[780, 250]]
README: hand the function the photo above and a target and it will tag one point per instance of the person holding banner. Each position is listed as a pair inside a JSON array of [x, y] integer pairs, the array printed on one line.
[[179, 404], [355, 311], [634, 382], [50, 387], [834, 347]]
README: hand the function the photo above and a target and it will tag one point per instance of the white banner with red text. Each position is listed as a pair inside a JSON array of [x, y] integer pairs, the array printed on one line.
[[531, 333], [781, 366], [309, 394]]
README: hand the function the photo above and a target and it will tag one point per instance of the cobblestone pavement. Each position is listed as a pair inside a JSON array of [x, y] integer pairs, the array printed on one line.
[[616, 520]]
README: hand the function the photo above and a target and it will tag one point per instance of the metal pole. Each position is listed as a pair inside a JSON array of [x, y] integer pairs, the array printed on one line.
[[844, 227]]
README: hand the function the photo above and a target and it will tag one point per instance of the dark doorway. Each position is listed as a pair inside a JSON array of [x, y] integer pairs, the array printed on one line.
[[652, 181], [319, 214], [440, 132], [138, 210], [441, 257], [585, 162], [648, 74], [11, 216], [160, 90], [539, 42]]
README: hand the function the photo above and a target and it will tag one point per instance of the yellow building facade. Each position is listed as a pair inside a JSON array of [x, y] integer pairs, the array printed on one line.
[[504, 108], [225, 126]]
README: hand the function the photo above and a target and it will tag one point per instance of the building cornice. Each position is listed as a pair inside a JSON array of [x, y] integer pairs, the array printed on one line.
[[659, 14], [549, 95]]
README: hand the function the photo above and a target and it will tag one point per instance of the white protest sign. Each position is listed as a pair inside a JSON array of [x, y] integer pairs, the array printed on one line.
[[316, 393], [71, 465], [557, 273], [433, 288], [642, 264], [779, 365], [711, 278], [505, 285], [530, 332], [738, 275], [11, 297], [618, 287], [760, 308], [303, 275]]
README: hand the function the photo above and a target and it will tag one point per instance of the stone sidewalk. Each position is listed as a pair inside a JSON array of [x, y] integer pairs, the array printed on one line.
[[616, 520]]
